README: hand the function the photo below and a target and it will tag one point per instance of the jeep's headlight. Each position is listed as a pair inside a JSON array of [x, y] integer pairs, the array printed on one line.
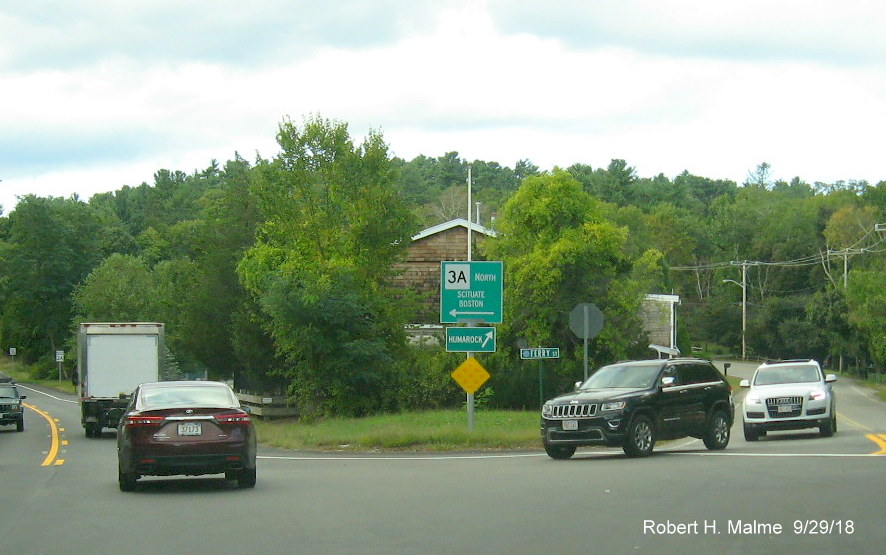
[[614, 405], [817, 395], [546, 409], [16, 408]]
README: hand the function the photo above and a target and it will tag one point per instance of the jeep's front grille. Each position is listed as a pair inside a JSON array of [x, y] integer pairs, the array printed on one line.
[[5, 408], [784, 407], [591, 434], [573, 411]]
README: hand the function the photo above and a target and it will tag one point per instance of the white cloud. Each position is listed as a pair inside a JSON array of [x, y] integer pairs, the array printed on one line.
[[650, 84]]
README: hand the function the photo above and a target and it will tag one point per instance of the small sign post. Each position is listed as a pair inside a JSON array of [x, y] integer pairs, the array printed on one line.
[[539, 354], [586, 321]]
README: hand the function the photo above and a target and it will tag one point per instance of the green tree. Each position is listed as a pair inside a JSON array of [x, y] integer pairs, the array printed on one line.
[[558, 250], [866, 299], [52, 244], [120, 289], [322, 263]]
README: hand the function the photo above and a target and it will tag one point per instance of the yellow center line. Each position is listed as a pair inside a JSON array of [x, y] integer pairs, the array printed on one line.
[[53, 448], [853, 422], [879, 440]]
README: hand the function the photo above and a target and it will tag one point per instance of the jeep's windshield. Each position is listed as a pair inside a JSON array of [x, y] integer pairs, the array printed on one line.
[[787, 374], [623, 375], [7, 393]]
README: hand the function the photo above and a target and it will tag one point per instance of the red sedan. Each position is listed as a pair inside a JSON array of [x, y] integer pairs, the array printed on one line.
[[185, 428]]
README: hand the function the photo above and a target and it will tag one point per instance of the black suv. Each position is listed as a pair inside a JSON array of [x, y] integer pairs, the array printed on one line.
[[11, 406], [633, 404]]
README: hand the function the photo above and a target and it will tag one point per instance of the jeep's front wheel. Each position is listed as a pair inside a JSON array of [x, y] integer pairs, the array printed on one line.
[[717, 435], [641, 438], [559, 452]]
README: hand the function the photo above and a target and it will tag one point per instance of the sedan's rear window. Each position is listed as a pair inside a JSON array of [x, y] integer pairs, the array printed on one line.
[[191, 396]]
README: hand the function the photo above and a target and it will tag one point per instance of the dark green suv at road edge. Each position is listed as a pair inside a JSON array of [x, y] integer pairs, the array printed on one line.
[[11, 411], [636, 403]]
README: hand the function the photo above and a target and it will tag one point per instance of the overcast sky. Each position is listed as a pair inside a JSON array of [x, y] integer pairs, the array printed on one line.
[[97, 94]]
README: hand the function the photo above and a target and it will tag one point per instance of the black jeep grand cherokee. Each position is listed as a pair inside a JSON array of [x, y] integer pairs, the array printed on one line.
[[633, 404]]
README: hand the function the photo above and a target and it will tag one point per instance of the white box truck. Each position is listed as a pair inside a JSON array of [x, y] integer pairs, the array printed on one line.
[[112, 360]]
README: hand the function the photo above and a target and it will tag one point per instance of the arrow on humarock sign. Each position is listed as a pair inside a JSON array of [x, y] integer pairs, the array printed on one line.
[[454, 313], [488, 337]]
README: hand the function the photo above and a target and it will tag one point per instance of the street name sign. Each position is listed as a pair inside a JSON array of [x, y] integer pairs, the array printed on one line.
[[470, 340], [471, 291], [539, 353]]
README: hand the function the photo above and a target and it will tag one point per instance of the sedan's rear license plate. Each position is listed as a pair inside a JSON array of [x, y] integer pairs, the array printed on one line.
[[570, 424], [785, 408], [190, 429]]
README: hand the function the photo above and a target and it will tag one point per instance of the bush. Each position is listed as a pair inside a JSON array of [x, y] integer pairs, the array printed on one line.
[[424, 382]]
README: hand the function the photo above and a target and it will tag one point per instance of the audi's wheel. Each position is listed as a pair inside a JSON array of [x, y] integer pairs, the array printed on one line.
[[828, 428], [751, 433]]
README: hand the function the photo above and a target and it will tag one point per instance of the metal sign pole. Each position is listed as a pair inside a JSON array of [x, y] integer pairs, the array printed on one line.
[[470, 399], [585, 334], [541, 383]]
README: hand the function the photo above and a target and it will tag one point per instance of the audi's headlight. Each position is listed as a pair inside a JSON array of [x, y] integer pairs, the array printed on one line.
[[614, 405], [752, 399], [817, 395]]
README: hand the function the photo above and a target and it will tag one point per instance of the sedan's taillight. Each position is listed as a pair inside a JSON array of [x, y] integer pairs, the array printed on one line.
[[232, 417], [138, 420]]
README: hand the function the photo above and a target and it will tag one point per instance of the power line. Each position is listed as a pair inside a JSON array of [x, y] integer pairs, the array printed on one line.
[[810, 260]]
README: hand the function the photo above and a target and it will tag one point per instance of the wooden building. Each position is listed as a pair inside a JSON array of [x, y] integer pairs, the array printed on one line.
[[421, 270]]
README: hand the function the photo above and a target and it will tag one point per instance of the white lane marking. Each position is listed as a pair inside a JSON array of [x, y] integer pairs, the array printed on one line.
[[578, 456], [399, 458], [812, 455], [47, 394]]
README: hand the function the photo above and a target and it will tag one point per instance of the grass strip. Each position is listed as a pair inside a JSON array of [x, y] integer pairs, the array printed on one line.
[[441, 430]]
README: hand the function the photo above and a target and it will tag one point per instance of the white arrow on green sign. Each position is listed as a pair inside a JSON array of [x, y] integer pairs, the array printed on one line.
[[471, 291], [470, 340]]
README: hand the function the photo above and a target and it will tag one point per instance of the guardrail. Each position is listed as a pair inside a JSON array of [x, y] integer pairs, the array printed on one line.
[[267, 405]]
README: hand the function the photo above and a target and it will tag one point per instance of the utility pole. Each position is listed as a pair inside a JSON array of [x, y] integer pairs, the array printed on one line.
[[744, 302]]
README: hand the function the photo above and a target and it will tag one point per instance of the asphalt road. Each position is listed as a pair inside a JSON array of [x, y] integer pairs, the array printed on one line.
[[789, 492]]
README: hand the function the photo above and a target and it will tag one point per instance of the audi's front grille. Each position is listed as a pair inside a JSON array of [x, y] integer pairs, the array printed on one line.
[[784, 407], [573, 411]]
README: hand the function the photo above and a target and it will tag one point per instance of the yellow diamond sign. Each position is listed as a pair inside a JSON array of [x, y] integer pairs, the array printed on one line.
[[470, 375]]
